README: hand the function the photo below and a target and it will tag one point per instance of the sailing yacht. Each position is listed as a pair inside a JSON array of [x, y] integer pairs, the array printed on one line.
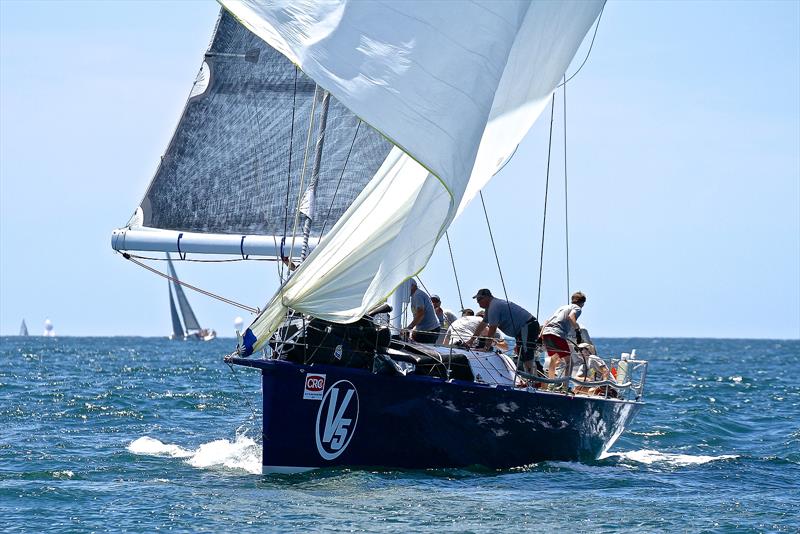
[[23, 329], [190, 329], [341, 142]]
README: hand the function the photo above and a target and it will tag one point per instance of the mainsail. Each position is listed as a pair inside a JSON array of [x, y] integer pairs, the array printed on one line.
[[454, 89], [177, 328], [233, 174], [189, 319]]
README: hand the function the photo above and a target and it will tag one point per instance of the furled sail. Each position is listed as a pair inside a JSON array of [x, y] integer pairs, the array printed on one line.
[[235, 164], [455, 88]]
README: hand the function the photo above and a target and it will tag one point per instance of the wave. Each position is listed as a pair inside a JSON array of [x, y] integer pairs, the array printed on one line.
[[243, 453], [648, 457]]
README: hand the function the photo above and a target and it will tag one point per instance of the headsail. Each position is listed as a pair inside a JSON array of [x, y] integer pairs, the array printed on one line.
[[455, 89], [235, 163]]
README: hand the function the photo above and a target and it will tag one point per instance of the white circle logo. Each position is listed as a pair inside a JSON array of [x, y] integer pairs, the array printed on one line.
[[336, 419]]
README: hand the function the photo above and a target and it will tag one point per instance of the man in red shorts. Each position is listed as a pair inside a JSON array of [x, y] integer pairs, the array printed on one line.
[[558, 328]]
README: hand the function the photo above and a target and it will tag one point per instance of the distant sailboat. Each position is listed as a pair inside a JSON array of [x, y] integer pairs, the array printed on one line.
[[190, 329], [48, 329], [23, 329]]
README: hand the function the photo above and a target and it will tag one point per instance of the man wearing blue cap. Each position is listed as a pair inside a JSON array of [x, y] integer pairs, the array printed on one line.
[[512, 319]]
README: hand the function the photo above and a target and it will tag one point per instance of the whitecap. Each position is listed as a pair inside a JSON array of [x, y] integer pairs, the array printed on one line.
[[646, 456]]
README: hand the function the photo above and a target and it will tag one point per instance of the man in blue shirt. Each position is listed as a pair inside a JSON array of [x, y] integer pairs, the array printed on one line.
[[512, 319], [424, 325]]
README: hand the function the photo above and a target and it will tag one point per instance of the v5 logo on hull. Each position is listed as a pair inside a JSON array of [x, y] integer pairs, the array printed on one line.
[[336, 419]]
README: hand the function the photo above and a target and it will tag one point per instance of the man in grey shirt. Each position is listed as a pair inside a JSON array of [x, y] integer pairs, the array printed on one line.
[[424, 325], [558, 328], [513, 320]]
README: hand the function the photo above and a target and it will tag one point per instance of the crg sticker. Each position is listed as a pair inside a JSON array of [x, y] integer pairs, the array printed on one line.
[[315, 386], [336, 419]]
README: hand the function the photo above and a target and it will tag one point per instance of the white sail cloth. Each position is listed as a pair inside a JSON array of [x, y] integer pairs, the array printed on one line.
[[454, 86]]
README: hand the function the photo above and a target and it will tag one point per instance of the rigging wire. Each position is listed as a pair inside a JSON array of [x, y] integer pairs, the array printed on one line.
[[566, 198], [184, 284], [242, 390], [336, 191], [497, 260], [596, 27], [289, 170], [455, 273], [544, 216], [303, 173]]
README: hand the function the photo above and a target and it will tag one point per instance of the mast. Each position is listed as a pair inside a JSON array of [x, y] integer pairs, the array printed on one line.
[[309, 198]]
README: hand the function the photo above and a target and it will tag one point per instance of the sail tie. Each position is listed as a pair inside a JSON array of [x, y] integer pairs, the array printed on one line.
[[181, 255], [184, 284], [241, 248]]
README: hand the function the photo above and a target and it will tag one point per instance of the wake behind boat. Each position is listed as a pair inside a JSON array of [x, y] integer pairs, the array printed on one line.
[[342, 148]]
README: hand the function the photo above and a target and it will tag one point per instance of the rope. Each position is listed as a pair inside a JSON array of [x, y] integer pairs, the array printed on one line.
[[596, 27], [455, 274], [289, 170], [184, 284], [546, 189], [336, 191], [499, 270], [241, 390], [303, 174], [566, 198]]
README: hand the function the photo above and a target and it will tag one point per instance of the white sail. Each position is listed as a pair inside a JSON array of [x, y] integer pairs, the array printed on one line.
[[455, 87]]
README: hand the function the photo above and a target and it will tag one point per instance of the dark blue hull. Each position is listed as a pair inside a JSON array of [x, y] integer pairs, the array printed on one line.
[[323, 416]]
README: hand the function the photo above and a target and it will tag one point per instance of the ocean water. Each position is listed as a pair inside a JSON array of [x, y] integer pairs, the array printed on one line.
[[144, 435]]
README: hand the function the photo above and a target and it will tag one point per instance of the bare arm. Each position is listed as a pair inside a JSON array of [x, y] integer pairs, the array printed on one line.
[[477, 333], [419, 315]]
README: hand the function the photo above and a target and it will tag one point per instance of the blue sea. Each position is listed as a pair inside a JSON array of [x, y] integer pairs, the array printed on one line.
[[145, 434]]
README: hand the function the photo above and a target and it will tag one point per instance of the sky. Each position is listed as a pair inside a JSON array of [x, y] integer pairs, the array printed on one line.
[[683, 171]]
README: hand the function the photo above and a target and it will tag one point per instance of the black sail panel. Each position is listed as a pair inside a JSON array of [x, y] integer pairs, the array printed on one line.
[[238, 151]]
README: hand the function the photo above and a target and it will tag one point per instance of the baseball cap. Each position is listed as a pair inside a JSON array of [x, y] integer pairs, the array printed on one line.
[[482, 293]]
